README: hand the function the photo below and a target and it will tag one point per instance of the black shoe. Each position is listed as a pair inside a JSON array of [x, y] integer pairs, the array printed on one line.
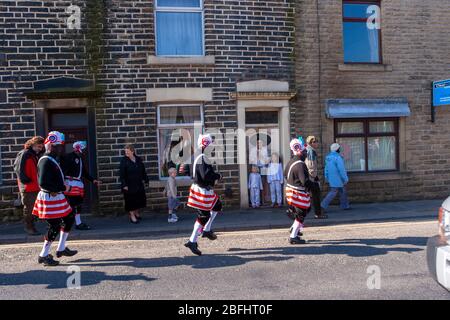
[[82, 226], [48, 261], [66, 252], [300, 234], [209, 234], [296, 241], [321, 216], [194, 248]]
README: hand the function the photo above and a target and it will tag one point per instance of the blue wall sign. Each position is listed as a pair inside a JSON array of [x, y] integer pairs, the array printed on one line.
[[441, 93]]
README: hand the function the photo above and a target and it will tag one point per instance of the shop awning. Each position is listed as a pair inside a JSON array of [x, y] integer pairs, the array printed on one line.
[[367, 108]]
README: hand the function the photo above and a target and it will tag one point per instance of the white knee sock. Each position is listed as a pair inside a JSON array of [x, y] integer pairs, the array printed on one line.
[[62, 241], [210, 221], [78, 219], [198, 229], [45, 249], [295, 228]]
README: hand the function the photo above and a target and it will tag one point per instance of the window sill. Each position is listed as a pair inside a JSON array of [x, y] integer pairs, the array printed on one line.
[[162, 183], [205, 60], [379, 176], [365, 67]]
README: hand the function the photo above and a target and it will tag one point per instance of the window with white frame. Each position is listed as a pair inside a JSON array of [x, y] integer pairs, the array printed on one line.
[[176, 137], [369, 145], [179, 27]]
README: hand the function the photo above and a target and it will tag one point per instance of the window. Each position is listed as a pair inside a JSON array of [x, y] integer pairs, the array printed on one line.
[[368, 145], [179, 28], [175, 137], [362, 37]]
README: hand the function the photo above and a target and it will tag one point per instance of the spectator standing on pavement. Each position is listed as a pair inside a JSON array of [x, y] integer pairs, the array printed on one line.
[[132, 178], [275, 180], [25, 168], [336, 176], [311, 163], [171, 193]]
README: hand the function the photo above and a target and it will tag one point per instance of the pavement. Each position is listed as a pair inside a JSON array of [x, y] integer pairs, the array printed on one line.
[[155, 224]]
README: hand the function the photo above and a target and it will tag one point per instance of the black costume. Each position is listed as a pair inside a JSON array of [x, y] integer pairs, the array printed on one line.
[[297, 187], [133, 175]]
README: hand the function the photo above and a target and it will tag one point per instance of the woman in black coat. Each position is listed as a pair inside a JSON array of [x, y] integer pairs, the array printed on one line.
[[132, 178]]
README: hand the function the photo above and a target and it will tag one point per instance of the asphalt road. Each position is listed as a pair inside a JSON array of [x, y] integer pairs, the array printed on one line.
[[338, 262]]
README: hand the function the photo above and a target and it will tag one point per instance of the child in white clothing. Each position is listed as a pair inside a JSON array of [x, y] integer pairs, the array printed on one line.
[[275, 179], [255, 186], [171, 192]]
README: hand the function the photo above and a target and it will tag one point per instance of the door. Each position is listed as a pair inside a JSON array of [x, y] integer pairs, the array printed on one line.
[[74, 124], [263, 140]]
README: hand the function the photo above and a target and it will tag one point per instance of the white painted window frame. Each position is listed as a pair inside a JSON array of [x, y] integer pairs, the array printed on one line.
[[199, 9], [174, 126]]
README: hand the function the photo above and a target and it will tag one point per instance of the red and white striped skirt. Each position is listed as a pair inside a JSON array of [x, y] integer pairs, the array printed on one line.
[[48, 207], [77, 189], [297, 198], [200, 198]]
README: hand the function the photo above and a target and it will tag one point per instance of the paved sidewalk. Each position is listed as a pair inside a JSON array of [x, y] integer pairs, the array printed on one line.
[[231, 220]]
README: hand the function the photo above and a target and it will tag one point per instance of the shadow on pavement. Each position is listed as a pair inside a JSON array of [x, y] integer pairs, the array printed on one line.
[[206, 261], [349, 247], [58, 279], [240, 256]]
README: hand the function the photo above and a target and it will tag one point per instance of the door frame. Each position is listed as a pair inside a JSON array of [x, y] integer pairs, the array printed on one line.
[[43, 107], [263, 94], [282, 106]]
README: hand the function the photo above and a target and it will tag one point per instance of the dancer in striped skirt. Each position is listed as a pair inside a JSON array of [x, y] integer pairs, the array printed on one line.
[[297, 186], [75, 170], [51, 205], [203, 197]]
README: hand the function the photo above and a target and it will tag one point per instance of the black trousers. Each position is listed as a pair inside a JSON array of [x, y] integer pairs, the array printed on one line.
[[298, 214], [203, 216], [315, 197], [56, 225]]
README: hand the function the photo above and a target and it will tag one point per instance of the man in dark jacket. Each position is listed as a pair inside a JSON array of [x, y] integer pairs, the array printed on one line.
[[297, 189], [26, 171], [75, 170], [203, 197]]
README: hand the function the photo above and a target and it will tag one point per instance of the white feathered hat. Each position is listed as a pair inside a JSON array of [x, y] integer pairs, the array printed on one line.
[[204, 140], [296, 146]]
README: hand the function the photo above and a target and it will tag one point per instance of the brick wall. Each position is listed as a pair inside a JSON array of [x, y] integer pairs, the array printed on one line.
[[249, 39], [37, 46], [415, 43]]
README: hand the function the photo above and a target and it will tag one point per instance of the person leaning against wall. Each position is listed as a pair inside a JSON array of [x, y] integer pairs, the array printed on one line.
[[132, 178]]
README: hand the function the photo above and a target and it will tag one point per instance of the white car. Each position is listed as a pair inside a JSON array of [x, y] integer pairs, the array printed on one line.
[[438, 248]]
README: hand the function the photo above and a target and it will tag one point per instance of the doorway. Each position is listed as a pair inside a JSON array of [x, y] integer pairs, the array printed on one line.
[[262, 141], [74, 124]]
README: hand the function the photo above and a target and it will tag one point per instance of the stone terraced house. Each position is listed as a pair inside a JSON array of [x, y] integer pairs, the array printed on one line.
[[155, 73]]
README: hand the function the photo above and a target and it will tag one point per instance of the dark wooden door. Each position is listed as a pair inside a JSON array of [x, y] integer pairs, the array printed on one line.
[[73, 123]]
